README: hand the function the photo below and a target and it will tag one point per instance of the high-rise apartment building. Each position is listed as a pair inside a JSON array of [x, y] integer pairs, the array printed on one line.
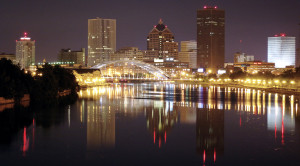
[[101, 40], [161, 39], [67, 55], [25, 52], [188, 53], [282, 50], [210, 38]]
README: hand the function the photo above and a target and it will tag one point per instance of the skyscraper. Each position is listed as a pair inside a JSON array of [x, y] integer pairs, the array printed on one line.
[[210, 38], [25, 52], [101, 40], [282, 50], [161, 39]]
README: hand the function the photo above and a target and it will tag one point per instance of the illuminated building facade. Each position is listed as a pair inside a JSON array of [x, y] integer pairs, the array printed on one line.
[[210, 38], [101, 40], [150, 55], [171, 68], [25, 52], [282, 50], [67, 55], [127, 53], [188, 53], [255, 67], [170, 51], [161, 39]]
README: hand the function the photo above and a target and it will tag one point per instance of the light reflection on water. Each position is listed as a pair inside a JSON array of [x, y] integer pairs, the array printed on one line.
[[165, 105], [210, 125]]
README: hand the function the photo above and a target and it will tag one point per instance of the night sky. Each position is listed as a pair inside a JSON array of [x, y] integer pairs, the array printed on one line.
[[58, 24]]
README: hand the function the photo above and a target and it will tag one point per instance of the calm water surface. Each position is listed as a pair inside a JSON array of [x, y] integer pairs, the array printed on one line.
[[157, 124]]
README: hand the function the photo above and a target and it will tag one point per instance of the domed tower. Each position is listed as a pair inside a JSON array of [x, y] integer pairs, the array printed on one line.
[[157, 38]]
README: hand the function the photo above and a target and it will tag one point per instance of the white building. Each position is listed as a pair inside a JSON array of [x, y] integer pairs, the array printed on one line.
[[282, 50], [243, 57], [25, 52], [101, 40], [188, 53]]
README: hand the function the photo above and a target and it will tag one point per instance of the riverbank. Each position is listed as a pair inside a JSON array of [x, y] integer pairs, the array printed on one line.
[[46, 86], [279, 90]]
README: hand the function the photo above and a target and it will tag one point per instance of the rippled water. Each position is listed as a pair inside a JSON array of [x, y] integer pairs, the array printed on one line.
[[158, 124]]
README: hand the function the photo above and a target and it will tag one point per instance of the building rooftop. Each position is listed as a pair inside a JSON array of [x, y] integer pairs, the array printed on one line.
[[160, 26]]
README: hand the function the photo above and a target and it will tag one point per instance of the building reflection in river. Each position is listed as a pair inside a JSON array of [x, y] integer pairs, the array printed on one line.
[[99, 106], [165, 105], [210, 125], [100, 127], [160, 120]]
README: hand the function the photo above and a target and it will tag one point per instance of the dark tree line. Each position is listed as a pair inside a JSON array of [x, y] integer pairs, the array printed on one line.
[[14, 83], [43, 88]]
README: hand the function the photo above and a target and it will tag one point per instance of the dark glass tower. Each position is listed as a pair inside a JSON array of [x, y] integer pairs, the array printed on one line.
[[210, 38], [298, 49]]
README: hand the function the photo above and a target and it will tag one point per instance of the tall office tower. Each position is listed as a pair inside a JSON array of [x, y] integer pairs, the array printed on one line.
[[282, 50], [67, 55], [157, 38], [25, 51], [101, 40], [210, 38], [188, 53]]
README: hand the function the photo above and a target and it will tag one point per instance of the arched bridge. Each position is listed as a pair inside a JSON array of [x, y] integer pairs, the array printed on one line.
[[156, 72]]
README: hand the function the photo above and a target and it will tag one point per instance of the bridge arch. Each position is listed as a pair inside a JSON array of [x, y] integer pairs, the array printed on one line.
[[146, 66]]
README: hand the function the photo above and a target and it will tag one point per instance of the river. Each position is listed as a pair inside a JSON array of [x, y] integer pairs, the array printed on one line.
[[158, 124]]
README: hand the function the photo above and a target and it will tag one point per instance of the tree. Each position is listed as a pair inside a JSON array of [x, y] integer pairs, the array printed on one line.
[[238, 75], [14, 83]]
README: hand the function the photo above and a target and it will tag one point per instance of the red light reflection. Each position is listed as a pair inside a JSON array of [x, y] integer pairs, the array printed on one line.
[[204, 157], [215, 155], [25, 142], [159, 142], [154, 137]]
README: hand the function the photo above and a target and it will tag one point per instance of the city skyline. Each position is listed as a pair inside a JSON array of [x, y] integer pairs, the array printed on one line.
[[67, 28]]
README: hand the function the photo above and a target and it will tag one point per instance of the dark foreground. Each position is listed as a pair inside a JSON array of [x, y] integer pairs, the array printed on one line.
[[156, 124]]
